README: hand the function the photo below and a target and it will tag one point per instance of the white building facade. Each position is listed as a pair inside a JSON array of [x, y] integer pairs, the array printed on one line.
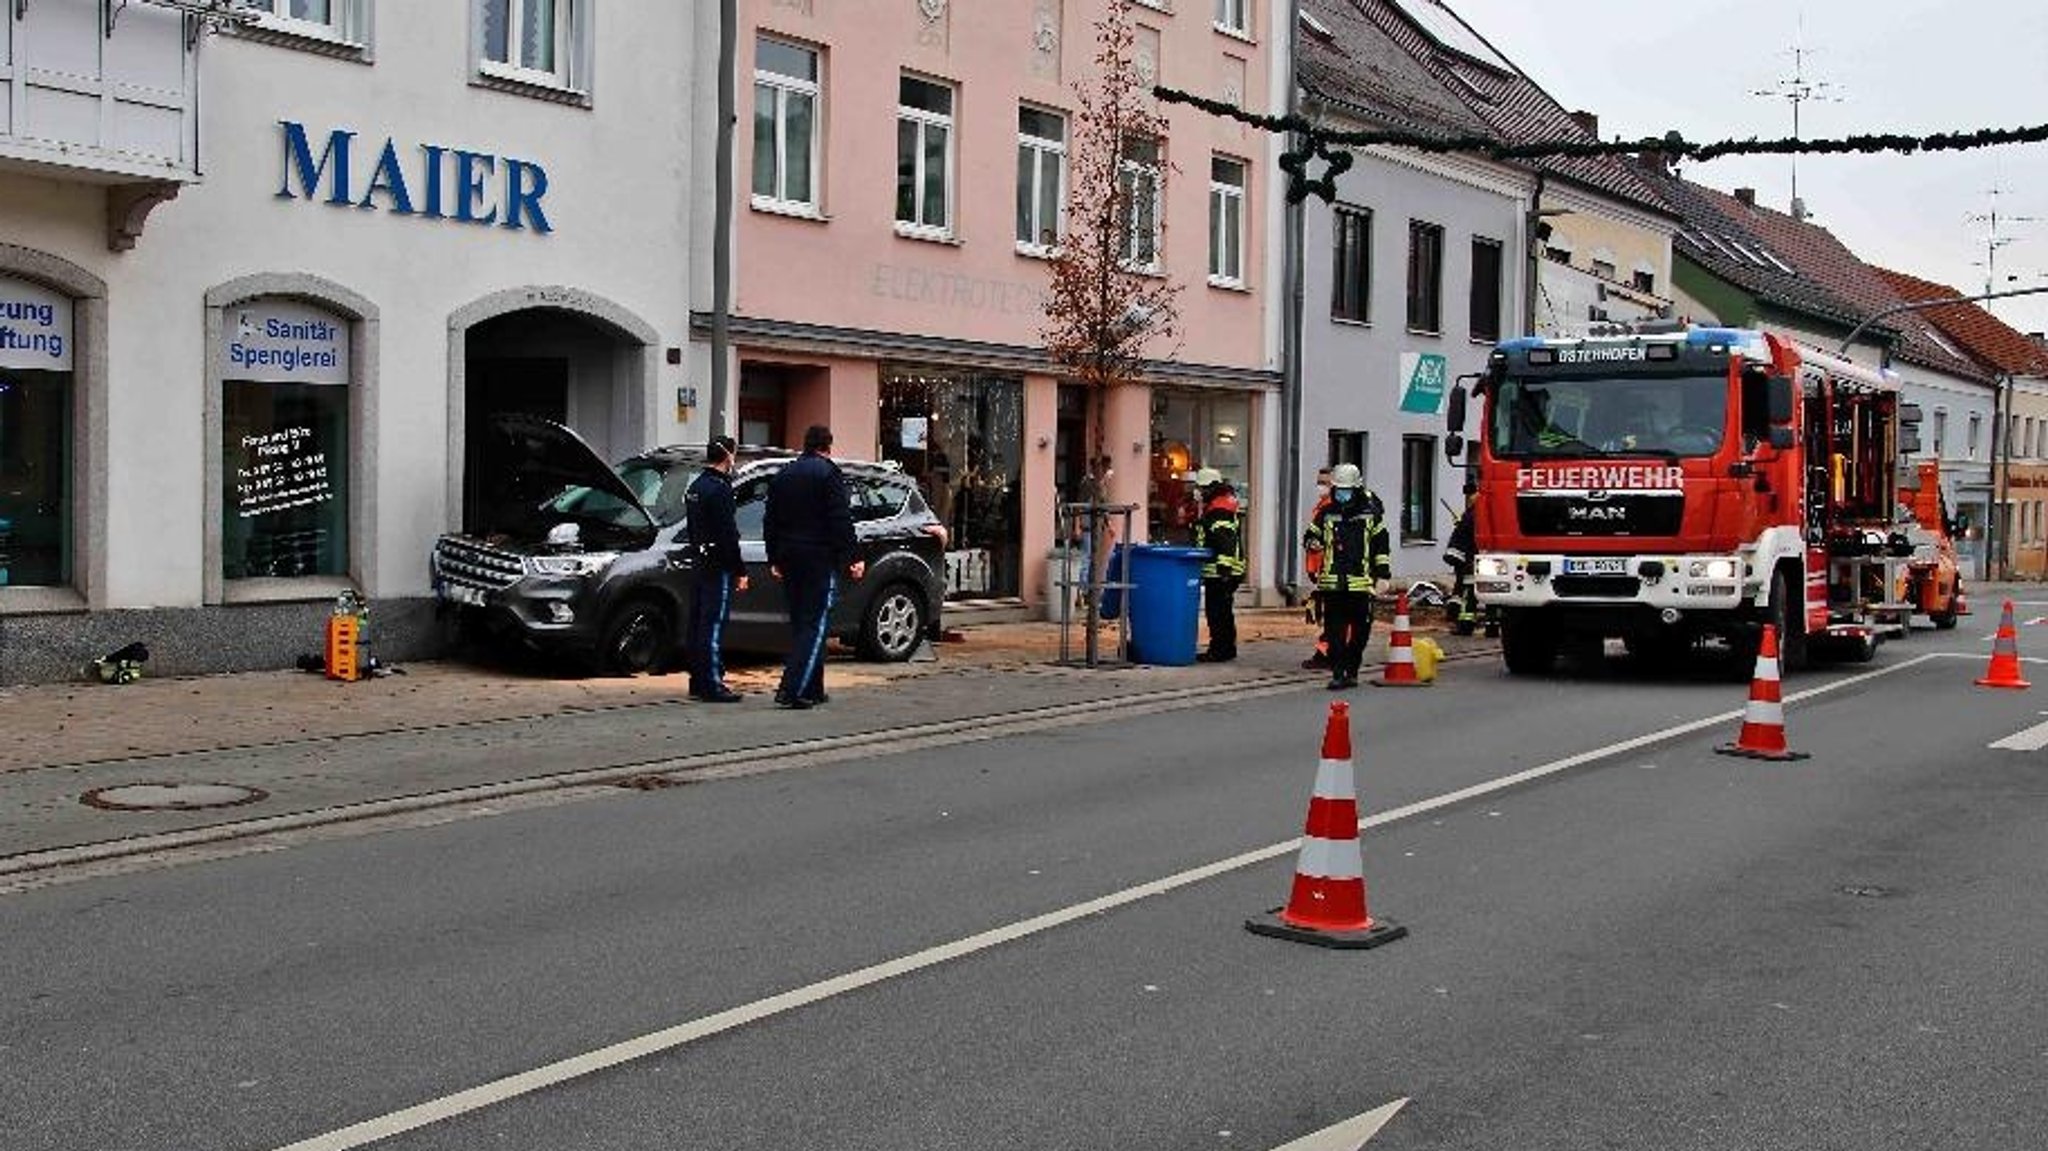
[[243, 339]]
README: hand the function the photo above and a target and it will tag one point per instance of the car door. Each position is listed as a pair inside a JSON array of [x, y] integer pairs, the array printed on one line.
[[760, 614]]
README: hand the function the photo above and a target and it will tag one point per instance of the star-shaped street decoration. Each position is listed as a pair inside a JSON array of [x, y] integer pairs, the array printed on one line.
[[1299, 186]]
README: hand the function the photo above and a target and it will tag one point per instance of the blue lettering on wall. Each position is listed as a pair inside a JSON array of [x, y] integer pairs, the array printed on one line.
[[484, 191], [390, 180], [471, 169]]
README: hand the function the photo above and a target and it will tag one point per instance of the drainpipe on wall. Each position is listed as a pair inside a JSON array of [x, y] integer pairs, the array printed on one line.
[[721, 228], [2000, 527], [1291, 275]]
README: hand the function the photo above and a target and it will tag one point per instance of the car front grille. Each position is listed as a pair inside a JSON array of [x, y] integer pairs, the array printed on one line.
[[473, 563]]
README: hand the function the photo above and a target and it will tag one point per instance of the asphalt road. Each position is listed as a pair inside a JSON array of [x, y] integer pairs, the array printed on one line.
[[1653, 947]]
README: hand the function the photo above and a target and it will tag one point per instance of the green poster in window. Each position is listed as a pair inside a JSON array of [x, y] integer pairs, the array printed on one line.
[[1423, 375]]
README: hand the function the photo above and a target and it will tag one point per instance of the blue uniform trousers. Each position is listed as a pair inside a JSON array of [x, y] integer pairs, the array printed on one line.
[[811, 586]]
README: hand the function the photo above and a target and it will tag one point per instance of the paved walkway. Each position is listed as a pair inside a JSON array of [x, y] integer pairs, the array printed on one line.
[[315, 745]]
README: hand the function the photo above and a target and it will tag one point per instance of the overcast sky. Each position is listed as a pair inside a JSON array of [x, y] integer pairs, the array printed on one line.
[[1912, 66]]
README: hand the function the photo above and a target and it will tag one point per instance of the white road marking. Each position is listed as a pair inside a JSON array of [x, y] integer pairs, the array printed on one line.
[[670, 1038], [2030, 739], [1349, 1135]]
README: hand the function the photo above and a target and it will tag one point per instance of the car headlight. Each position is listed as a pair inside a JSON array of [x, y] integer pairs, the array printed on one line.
[[589, 563], [1490, 566]]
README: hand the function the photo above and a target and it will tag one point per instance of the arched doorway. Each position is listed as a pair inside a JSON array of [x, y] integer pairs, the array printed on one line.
[[558, 353]]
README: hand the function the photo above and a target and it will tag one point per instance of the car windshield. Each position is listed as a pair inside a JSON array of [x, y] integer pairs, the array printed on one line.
[[657, 485], [1666, 416], [661, 485]]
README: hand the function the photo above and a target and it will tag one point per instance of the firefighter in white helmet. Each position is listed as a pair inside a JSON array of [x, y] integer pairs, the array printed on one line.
[[1357, 561], [1220, 529]]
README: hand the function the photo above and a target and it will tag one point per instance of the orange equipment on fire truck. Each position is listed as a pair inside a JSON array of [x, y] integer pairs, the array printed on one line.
[[1673, 483]]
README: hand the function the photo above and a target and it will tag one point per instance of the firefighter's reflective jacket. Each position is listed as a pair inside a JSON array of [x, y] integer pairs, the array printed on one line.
[[1352, 537], [1221, 530]]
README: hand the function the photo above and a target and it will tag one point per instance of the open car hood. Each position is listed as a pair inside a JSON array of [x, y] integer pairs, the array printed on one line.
[[542, 474]]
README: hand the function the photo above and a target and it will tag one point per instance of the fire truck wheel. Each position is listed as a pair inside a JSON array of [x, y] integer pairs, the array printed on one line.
[[1528, 644], [1791, 625], [1946, 619]]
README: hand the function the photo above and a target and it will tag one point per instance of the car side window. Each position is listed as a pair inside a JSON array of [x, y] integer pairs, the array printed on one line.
[[874, 499], [751, 507]]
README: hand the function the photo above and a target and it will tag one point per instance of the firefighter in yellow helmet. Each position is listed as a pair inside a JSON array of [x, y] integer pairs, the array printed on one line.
[[1357, 561], [1220, 528]]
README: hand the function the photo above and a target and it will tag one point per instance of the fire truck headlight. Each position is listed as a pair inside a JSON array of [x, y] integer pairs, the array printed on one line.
[[1490, 566], [1711, 569]]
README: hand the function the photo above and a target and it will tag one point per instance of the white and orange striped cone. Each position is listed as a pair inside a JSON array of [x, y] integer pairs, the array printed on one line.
[[1763, 722], [1400, 669], [1327, 905], [2005, 656]]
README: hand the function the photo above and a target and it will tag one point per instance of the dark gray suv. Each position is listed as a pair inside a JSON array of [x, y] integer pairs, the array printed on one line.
[[585, 560]]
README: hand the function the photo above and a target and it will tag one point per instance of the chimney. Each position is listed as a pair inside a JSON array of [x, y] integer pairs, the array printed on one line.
[[1746, 195], [1589, 121]]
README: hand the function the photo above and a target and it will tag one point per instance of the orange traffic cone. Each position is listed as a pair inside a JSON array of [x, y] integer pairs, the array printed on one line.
[[1400, 669], [2005, 656], [1327, 904], [1763, 723]]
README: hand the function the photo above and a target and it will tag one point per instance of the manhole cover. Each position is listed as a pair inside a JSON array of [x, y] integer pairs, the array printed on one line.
[[170, 796]]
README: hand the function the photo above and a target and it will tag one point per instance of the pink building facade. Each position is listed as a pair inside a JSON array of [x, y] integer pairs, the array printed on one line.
[[902, 168]]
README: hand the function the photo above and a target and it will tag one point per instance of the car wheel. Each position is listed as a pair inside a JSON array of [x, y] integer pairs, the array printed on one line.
[[893, 625], [637, 639]]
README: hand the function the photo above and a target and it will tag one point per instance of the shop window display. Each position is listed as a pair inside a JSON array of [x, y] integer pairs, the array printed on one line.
[[284, 443], [1190, 431], [960, 436], [35, 478], [36, 397]]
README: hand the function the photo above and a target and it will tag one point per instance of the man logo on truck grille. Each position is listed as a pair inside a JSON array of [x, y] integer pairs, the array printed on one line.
[[1598, 513]]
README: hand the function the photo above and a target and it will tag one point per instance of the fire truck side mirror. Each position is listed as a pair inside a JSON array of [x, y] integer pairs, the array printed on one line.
[[1778, 399], [1454, 415], [1909, 439], [1454, 448], [1782, 439]]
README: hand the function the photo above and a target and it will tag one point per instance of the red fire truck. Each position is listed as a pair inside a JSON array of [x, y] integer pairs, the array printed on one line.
[[1672, 484]]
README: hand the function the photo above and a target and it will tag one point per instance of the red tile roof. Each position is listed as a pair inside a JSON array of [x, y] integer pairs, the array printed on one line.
[[1980, 333], [1819, 257]]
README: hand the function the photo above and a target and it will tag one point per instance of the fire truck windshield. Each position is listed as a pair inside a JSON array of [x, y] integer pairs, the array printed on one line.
[[1670, 417]]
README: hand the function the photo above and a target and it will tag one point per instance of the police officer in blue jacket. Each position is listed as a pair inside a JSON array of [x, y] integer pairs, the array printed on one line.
[[809, 533], [714, 543]]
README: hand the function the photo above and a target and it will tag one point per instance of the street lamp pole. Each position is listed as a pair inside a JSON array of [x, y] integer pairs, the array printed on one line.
[[1995, 547], [1918, 305]]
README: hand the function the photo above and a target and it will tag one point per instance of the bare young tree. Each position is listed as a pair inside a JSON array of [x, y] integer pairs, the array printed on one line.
[[1109, 300]]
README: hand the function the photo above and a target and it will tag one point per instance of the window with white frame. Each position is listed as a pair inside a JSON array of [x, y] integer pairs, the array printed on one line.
[[1138, 180], [1234, 16], [786, 97], [1226, 221], [532, 41], [341, 21], [1041, 179], [1940, 433], [924, 156], [1976, 430]]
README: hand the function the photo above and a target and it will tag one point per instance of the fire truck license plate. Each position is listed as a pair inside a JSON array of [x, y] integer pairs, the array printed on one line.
[[1605, 565]]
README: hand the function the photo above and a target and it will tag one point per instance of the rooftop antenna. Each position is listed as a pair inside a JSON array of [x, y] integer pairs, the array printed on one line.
[[1795, 90], [1993, 238]]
